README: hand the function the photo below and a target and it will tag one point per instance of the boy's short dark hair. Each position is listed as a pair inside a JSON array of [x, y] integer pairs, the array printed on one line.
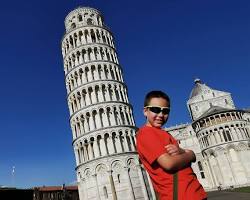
[[155, 94]]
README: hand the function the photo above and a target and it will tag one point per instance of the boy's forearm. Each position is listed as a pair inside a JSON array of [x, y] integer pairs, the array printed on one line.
[[182, 150], [177, 162], [183, 160], [192, 154]]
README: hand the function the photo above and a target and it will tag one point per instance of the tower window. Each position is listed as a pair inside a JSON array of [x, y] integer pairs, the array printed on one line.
[[201, 169], [200, 166], [226, 101], [118, 178], [228, 135], [105, 192]]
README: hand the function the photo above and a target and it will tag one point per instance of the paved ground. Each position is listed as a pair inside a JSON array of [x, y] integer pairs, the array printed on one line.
[[224, 195]]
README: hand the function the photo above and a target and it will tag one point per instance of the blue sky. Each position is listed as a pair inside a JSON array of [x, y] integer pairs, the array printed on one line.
[[161, 45]]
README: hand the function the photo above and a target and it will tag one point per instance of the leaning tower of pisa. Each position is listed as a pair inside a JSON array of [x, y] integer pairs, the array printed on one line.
[[101, 117]]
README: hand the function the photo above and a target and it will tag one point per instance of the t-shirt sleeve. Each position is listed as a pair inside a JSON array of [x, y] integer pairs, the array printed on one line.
[[150, 146], [173, 140]]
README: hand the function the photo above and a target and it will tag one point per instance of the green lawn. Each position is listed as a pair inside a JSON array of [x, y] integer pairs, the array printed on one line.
[[243, 189]]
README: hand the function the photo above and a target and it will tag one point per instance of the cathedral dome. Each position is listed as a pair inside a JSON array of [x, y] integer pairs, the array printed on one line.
[[198, 88]]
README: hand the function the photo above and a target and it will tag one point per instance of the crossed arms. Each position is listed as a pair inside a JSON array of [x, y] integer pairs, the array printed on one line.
[[175, 158]]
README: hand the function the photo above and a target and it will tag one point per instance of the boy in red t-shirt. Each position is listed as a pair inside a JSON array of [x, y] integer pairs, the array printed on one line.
[[161, 155]]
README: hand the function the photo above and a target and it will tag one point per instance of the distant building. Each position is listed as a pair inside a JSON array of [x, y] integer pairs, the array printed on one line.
[[219, 134], [15, 193], [56, 193]]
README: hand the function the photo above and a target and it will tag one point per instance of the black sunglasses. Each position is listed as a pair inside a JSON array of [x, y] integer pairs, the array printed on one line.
[[157, 110]]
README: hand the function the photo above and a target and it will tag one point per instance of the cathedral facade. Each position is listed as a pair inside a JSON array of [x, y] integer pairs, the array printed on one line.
[[219, 134]]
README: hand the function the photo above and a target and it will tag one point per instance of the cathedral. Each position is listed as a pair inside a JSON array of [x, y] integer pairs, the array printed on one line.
[[219, 134], [103, 127]]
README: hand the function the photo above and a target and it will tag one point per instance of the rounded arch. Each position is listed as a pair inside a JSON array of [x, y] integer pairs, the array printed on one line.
[[230, 146], [242, 146], [117, 165], [131, 161], [219, 149], [87, 173], [101, 168], [212, 152]]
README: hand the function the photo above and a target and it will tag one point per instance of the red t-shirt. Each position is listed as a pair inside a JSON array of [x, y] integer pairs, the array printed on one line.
[[151, 144]]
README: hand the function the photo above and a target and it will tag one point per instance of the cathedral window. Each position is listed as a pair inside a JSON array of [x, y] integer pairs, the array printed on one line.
[[80, 18], [89, 21], [226, 101], [202, 123], [233, 116], [73, 25]]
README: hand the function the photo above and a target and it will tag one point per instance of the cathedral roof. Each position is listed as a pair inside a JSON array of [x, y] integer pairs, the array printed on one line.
[[214, 110], [247, 109], [198, 88]]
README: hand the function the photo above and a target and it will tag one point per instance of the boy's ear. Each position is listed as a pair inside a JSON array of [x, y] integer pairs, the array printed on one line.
[[145, 112]]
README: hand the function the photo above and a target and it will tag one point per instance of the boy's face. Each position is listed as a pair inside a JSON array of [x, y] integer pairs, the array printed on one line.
[[154, 117]]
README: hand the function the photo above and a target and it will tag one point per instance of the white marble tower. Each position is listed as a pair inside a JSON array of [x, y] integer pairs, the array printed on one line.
[[101, 117]]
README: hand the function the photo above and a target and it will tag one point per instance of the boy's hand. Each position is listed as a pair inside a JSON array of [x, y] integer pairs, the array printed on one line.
[[173, 150]]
